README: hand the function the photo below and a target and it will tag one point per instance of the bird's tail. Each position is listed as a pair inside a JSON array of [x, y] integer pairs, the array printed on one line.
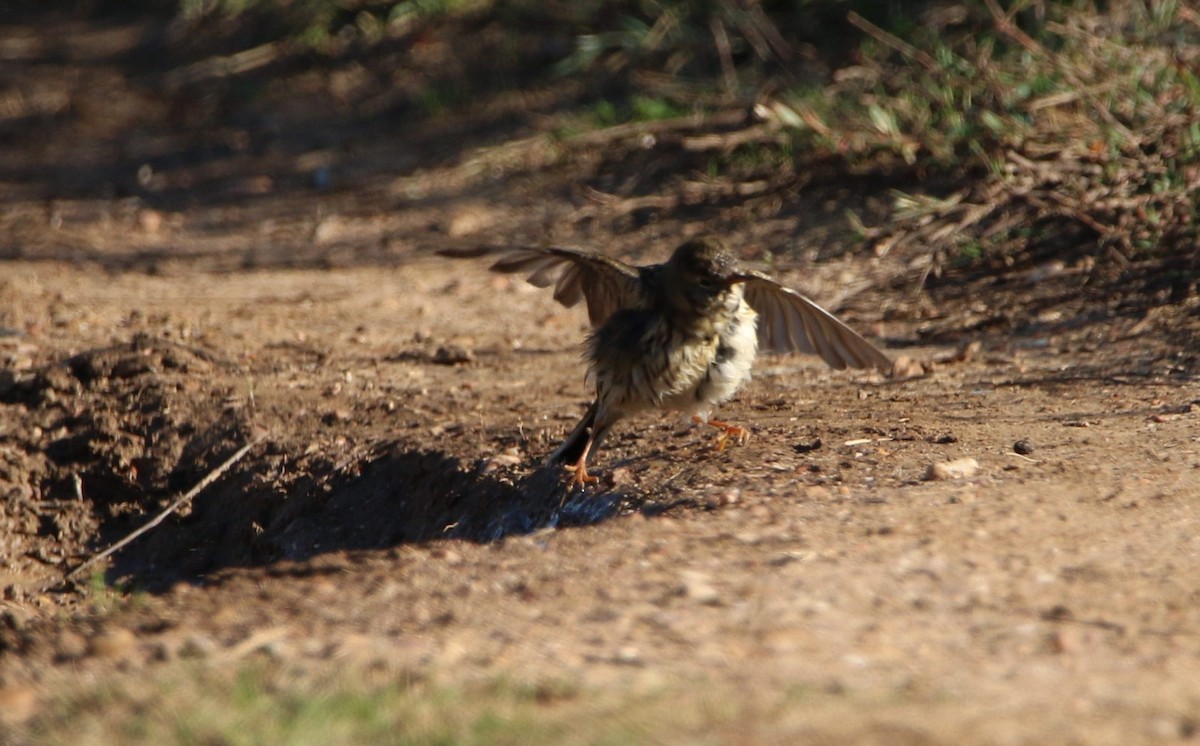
[[577, 442]]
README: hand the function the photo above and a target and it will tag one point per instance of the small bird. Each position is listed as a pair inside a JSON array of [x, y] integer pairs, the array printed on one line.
[[681, 335]]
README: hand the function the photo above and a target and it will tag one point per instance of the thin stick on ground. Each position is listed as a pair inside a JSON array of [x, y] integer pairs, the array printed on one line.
[[892, 41], [187, 497]]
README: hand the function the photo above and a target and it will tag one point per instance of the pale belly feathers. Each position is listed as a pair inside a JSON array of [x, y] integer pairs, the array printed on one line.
[[708, 369]]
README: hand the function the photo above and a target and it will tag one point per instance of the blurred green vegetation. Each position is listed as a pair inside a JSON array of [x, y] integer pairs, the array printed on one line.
[[1076, 118], [261, 700]]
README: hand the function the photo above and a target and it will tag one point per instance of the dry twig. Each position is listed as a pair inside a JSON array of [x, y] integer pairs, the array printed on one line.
[[892, 41], [725, 54], [187, 497], [228, 66]]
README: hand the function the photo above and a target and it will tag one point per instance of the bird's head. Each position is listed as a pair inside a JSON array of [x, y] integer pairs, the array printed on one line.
[[699, 273]]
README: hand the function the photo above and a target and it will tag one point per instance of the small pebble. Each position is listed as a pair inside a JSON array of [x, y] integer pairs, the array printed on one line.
[[112, 643], [808, 446], [730, 496], [628, 655], [908, 367], [506, 458], [622, 476], [1023, 447], [962, 468], [452, 355], [698, 587], [449, 556]]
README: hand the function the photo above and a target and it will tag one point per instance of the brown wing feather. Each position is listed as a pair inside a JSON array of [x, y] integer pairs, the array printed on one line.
[[791, 322], [607, 285]]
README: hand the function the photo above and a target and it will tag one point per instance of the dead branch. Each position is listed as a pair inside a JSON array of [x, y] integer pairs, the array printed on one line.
[[725, 54], [1005, 25], [726, 118], [768, 133], [689, 193], [187, 497], [224, 67], [541, 150], [891, 41]]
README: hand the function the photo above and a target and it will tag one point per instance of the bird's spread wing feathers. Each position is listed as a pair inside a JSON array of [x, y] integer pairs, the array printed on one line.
[[606, 284], [790, 322]]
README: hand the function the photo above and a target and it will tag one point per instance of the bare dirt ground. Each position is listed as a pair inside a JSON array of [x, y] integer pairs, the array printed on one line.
[[392, 520]]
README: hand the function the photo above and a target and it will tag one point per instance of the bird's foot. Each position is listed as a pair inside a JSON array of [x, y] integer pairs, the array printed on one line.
[[579, 475], [738, 433]]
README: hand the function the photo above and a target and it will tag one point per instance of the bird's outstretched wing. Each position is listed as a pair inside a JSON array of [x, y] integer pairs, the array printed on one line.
[[790, 322], [608, 285]]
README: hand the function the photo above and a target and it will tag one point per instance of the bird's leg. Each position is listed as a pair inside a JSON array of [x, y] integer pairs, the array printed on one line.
[[578, 470], [737, 432]]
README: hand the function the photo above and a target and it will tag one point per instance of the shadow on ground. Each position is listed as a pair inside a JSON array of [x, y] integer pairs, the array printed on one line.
[[399, 496], [125, 430]]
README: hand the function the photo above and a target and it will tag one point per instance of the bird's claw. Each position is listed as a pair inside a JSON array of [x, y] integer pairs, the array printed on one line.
[[579, 475], [739, 434]]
